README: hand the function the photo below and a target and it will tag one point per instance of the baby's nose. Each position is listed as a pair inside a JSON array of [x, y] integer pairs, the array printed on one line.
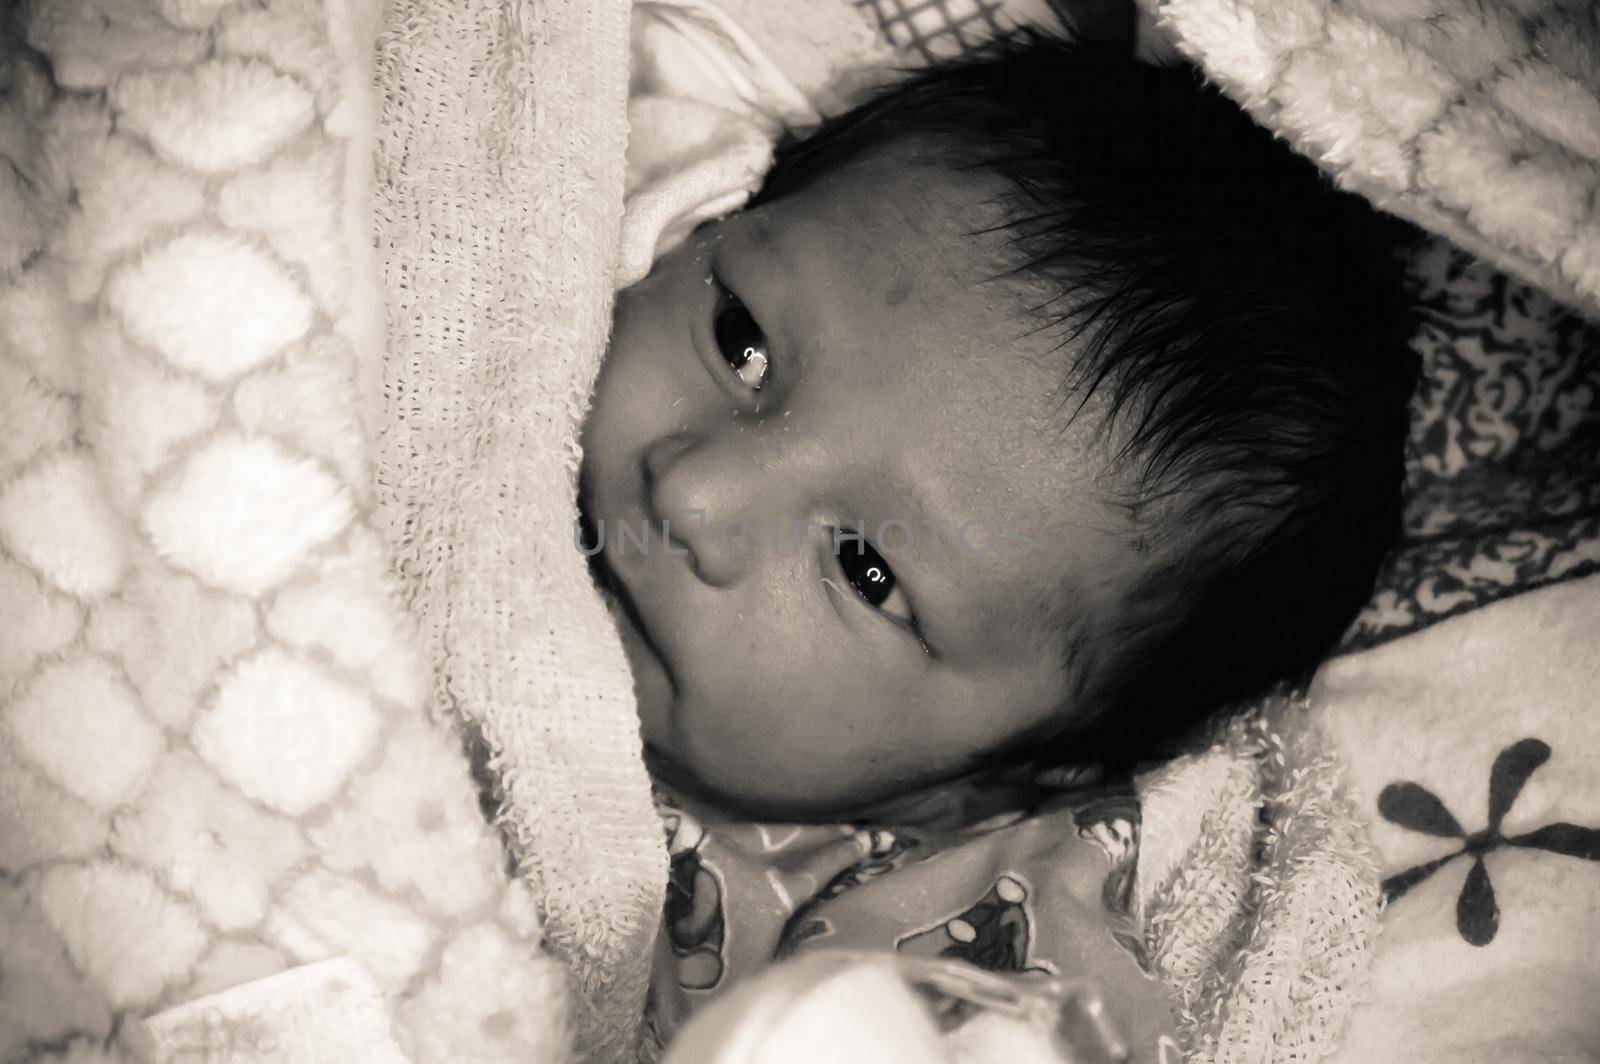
[[705, 498]]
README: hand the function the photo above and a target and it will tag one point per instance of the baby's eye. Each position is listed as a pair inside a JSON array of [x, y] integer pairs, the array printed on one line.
[[740, 341], [872, 578]]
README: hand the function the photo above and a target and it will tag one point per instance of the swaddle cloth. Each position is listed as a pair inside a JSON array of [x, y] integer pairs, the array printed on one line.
[[706, 102]]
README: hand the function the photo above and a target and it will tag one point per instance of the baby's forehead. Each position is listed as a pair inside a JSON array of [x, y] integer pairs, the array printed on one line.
[[925, 215]]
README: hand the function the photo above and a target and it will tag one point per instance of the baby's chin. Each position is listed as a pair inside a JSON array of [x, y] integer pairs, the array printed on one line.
[[755, 787]]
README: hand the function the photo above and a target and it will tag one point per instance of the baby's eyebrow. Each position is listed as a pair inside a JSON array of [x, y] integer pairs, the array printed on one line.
[[764, 239], [760, 262]]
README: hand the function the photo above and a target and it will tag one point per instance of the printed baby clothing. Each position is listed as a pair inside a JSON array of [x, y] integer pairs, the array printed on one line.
[[1011, 880]]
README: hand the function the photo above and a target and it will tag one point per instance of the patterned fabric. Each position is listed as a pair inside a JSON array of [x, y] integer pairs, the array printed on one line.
[[216, 764], [937, 29], [931, 30], [1011, 881], [1504, 468], [1411, 805], [1469, 748]]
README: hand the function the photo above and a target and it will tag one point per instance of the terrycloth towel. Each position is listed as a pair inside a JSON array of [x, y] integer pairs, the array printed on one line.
[[216, 764], [498, 237], [1258, 889], [501, 132]]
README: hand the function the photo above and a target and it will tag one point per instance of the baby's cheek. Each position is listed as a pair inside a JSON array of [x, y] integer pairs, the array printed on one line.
[[771, 736]]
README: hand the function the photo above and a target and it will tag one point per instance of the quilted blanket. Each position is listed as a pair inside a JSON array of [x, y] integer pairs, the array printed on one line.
[[217, 761], [1477, 119]]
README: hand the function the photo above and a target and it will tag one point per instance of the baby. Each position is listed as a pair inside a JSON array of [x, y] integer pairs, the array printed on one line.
[[1032, 410]]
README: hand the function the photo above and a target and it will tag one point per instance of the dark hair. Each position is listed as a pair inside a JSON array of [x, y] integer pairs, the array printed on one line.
[[1244, 323]]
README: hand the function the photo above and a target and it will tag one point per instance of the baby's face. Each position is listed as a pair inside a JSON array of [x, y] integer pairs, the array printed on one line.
[[824, 366]]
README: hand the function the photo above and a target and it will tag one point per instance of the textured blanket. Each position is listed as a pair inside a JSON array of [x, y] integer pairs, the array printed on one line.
[[501, 136], [217, 762], [1477, 119]]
